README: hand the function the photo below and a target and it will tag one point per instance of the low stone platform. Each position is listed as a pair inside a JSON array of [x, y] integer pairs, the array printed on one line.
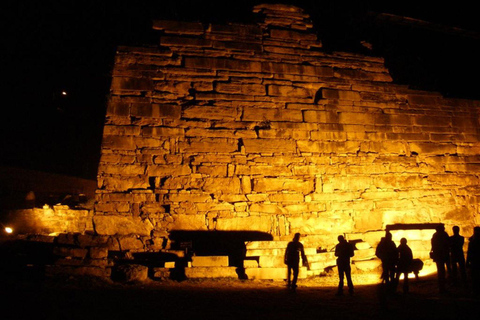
[[211, 272], [272, 273]]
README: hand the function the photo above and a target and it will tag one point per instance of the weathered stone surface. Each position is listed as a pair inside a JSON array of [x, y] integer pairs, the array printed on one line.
[[249, 263], [368, 265], [258, 223], [188, 222], [253, 128], [70, 252], [211, 272], [272, 273], [130, 273], [98, 252], [121, 225], [210, 261], [161, 273]]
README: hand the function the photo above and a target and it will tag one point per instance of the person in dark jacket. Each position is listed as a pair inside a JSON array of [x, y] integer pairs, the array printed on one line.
[[440, 254], [457, 258], [387, 252], [293, 253], [343, 252], [404, 265]]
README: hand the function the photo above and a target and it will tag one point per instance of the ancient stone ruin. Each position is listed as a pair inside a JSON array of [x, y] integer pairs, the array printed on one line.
[[252, 132]]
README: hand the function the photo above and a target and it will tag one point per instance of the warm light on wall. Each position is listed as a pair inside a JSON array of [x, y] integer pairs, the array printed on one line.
[[8, 230]]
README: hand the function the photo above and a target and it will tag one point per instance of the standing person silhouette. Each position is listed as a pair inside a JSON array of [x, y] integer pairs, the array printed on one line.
[[387, 252], [440, 254], [456, 255], [293, 253], [343, 252], [405, 258], [473, 260]]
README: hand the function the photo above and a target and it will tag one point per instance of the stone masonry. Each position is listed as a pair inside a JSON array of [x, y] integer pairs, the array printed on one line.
[[252, 127]]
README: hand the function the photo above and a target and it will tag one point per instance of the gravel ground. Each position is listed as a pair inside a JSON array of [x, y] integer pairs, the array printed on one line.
[[86, 298]]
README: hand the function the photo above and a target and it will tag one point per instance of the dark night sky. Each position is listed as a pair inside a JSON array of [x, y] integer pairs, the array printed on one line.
[[54, 46]]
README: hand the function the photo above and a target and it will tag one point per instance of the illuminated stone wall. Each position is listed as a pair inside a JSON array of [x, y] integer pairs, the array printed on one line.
[[253, 127], [51, 220]]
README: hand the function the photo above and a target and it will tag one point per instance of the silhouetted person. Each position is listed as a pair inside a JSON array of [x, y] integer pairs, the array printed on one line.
[[292, 260], [387, 252], [456, 255], [404, 265], [473, 259], [343, 252], [440, 254]]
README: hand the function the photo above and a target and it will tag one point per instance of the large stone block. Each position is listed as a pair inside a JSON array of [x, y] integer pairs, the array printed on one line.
[[270, 261], [189, 222], [70, 252], [98, 252], [240, 88], [130, 243], [432, 148], [290, 91], [168, 170], [333, 147], [272, 273], [210, 261], [222, 64], [211, 272], [262, 223], [283, 184], [131, 83], [320, 116], [213, 113], [121, 183], [222, 185], [203, 145], [291, 35], [340, 94], [130, 273], [269, 146], [121, 225], [265, 244], [118, 142], [259, 114]]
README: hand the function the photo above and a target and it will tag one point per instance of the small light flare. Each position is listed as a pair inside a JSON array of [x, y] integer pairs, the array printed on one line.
[[8, 230], [64, 93]]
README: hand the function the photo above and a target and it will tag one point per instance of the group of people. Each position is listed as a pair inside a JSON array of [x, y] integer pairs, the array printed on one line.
[[395, 261], [446, 252]]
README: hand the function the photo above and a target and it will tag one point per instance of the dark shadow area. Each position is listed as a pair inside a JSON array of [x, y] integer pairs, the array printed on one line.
[[153, 259], [215, 243], [76, 299], [24, 260]]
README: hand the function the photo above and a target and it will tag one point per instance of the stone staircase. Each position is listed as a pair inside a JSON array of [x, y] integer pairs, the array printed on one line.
[[264, 260]]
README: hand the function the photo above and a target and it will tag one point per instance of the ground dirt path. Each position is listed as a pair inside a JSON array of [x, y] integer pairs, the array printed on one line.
[[81, 298]]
